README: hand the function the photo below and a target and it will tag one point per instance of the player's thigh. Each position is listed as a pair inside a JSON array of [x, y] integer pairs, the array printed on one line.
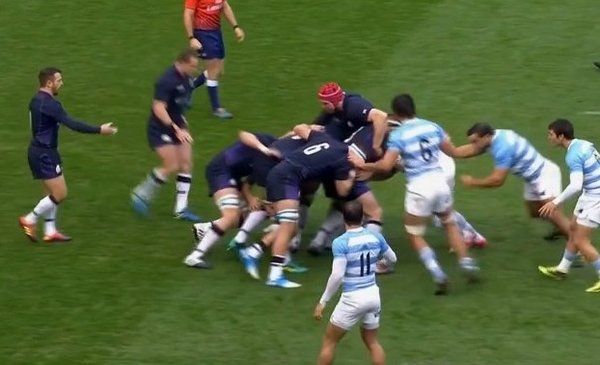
[[57, 187], [168, 155], [227, 199], [418, 203], [185, 156], [372, 309], [443, 200], [346, 314]]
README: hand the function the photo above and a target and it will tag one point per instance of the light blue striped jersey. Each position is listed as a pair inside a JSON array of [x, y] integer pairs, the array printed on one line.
[[583, 156], [418, 142], [361, 248], [511, 151]]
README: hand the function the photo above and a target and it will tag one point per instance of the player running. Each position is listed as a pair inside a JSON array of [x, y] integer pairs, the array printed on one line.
[[354, 255], [169, 137], [512, 152], [418, 142], [46, 114], [583, 161]]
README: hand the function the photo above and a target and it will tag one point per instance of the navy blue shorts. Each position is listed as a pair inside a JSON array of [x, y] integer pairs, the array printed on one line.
[[359, 188], [159, 136], [283, 183], [219, 177], [212, 44], [45, 163]]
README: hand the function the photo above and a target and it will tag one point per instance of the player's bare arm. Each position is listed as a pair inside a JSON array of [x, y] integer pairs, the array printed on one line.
[[188, 25], [159, 108], [303, 131], [465, 151], [380, 125], [494, 180], [230, 16], [254, 203], [386, 164]]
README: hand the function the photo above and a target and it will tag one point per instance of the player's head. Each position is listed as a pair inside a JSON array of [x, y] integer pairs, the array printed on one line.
[[403, 107], [51, 78], [481, 135], [353, 213], [331, 96], [560, 131], [187, 62]]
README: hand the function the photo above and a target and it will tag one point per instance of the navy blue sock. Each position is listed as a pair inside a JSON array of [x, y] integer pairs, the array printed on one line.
[[213, 93]]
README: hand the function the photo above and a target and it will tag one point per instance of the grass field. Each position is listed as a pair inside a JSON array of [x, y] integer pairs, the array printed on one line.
[[119, 293]]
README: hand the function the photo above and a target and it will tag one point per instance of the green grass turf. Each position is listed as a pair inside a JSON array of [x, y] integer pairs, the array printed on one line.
[[120, 295]]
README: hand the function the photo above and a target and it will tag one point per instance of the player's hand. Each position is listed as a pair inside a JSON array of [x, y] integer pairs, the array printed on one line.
[[183, 136], [317, 127], [195, 44], [467, 180], [363, 175], [547, 209], [254, 203], [239, 34], [318, 312], [356, 160], [107, 129]]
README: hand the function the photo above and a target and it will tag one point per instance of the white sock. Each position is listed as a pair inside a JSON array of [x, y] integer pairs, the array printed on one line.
[[41, 209], [255, 251], [566, 261], [276, 267], [183, 186], [50, 221], [210, 238], [148, 188], [252, 220]]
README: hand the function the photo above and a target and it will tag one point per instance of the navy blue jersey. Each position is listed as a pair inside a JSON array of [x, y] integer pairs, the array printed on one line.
[[322, 156], [262, 164], [45, 116], [353, 115], [361, 141], [238, 158], [175, 90]]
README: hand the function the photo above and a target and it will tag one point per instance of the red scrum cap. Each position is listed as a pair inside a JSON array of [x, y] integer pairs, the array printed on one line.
[[331, 92]]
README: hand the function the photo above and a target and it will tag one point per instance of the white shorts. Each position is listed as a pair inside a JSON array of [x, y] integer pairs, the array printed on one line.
[[428, 194], [448, 168], [547, 186], [587, 211], [360, 305]]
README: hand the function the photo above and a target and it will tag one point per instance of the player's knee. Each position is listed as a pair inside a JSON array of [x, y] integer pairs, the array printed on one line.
[[416, 230], [170, 167], [229, 202], [185, 166], [447, 219]]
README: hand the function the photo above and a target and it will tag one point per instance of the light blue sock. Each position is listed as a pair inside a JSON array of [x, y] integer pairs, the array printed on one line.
[[596, 265], [429, 260]]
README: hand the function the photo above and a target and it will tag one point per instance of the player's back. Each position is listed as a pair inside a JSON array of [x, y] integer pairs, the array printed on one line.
[[43, 109], [361, 142], [517, 153], [418, 142], [321, 156], [239, 158], [362, 248], [582, 154]]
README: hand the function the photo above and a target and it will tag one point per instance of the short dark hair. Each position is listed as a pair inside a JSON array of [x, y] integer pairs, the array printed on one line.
[[186, 55], [47, 74], [562, 127], [481, 129], [353, 213], [403, 106]]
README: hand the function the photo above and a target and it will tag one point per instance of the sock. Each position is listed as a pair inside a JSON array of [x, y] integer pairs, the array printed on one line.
[[50, 221], [467, 231], [303, 218], [147, 188], [252, 220], [428, 258], [467, 263], [374, 226], [200, 80], [213, 93], [596, 265], [183, 186], [276, 268], [567, 260], [210, 238], [334, 218], [41, 209], [256, 250]]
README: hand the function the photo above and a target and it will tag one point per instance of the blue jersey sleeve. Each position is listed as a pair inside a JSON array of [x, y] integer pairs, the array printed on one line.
[[503, 156], [395, 141], [574, 160], [56, 111], [163, 90], [358, 110], [339, 247]]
